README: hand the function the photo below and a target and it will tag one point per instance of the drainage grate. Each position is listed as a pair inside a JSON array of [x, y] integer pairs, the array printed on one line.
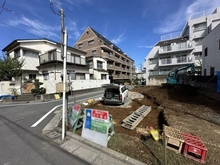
[[135, 118], [53, 135]]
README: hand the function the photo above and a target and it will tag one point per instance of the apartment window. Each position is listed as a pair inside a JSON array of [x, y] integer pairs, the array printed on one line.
[[103, 76], [91, 42], [219, 44], [80, 76], [198, 41], [201, 26], [90, 64], [32, 76], [181, 59], [72, 58], [206, 51], [77, 59], [166, 60], [91, 76], [99, 65], [45, 75], [30, 53], [80, 46], [212, 71], [17, 53], [94, 52], [72, 74], [51, 55]]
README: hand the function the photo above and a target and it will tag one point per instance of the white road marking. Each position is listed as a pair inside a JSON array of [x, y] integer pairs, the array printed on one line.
[[42, 118]]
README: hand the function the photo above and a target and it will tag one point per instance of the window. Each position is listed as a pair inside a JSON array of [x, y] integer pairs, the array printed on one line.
[[51, 56], [30, 53], [181, 59], [32, 76], [91, 42], [212, 71], [77, 59], [198, 41], [17, 53], [72, 74], [80, 46], [99, 65], [219, 44], [206, 51], [45, 75], [90, 64], [80, 76], [91, 76], [72, 58], [201, 26], [94, 52], [166, 60], [103, 76]]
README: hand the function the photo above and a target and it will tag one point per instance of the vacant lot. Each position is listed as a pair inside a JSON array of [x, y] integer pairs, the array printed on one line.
[[191, 110]]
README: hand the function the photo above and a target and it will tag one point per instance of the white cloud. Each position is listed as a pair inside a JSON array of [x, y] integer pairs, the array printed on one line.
[[118, 39], [176, 21], [36, 27], [73, 32], [146, 46]]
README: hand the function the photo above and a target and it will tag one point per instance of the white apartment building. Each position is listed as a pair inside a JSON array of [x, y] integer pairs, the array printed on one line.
[[43, 61], [211, 52], [176, 51]]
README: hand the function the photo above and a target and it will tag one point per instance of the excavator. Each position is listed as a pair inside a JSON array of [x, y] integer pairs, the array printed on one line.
[[183, 79]]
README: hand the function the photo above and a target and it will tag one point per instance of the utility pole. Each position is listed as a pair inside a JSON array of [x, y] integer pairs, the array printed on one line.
[[63, 54]]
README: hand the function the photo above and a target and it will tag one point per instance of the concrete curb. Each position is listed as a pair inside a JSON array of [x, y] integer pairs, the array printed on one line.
[[93, 153]]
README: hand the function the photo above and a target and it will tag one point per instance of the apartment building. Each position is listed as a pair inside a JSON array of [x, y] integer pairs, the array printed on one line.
[[119, 65], [174, 51], [43, 61], [211, 52]]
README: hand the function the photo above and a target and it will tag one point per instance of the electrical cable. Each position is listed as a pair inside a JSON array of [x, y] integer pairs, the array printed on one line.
[[2, 7]]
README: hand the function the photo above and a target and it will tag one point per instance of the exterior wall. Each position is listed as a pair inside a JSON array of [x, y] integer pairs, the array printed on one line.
[[121, 67], [212, 43], [192, 48], [156, 80], [6, 87]]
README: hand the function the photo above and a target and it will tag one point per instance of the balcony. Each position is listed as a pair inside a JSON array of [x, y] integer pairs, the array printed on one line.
[[55, 56], [176, 47]]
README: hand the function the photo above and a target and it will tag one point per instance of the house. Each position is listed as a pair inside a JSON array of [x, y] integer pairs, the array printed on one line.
[[119, 65], [211, 52], [43, 61], [176, 50]]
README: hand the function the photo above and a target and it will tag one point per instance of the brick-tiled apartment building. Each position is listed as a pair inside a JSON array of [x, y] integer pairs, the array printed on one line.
[[119, 65]]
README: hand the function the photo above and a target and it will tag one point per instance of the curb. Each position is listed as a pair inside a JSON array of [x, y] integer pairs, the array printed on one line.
[[53, 126]]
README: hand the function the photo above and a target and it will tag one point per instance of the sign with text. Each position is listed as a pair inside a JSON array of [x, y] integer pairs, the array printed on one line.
[[95, 126], [74, 114]]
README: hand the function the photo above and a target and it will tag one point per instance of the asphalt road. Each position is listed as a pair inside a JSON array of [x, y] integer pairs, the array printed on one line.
[[21, 144]]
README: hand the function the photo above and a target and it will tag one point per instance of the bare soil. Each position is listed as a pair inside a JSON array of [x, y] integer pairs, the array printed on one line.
[[191, 110]]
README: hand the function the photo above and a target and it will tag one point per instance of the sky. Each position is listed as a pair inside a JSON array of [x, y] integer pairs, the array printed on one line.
[[135, 26]]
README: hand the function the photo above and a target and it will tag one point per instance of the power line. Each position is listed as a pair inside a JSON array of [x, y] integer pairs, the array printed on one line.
[[17, 28], [51, 7], [2, 7], [7, 9]]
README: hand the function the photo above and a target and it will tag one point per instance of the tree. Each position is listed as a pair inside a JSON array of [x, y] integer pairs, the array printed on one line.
[[10, 67]]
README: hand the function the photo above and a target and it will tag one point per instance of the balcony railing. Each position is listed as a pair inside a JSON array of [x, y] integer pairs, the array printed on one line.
[[56, 57], [176, 47]]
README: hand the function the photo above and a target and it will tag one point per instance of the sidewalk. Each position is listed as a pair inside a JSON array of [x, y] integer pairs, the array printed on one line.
[[84, 149]]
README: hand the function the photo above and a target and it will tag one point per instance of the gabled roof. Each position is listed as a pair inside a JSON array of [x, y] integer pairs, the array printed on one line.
[[105, 39], [18, 41]]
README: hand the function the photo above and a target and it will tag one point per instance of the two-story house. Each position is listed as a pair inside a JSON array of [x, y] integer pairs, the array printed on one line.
[[119, 65], [43, 61]]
